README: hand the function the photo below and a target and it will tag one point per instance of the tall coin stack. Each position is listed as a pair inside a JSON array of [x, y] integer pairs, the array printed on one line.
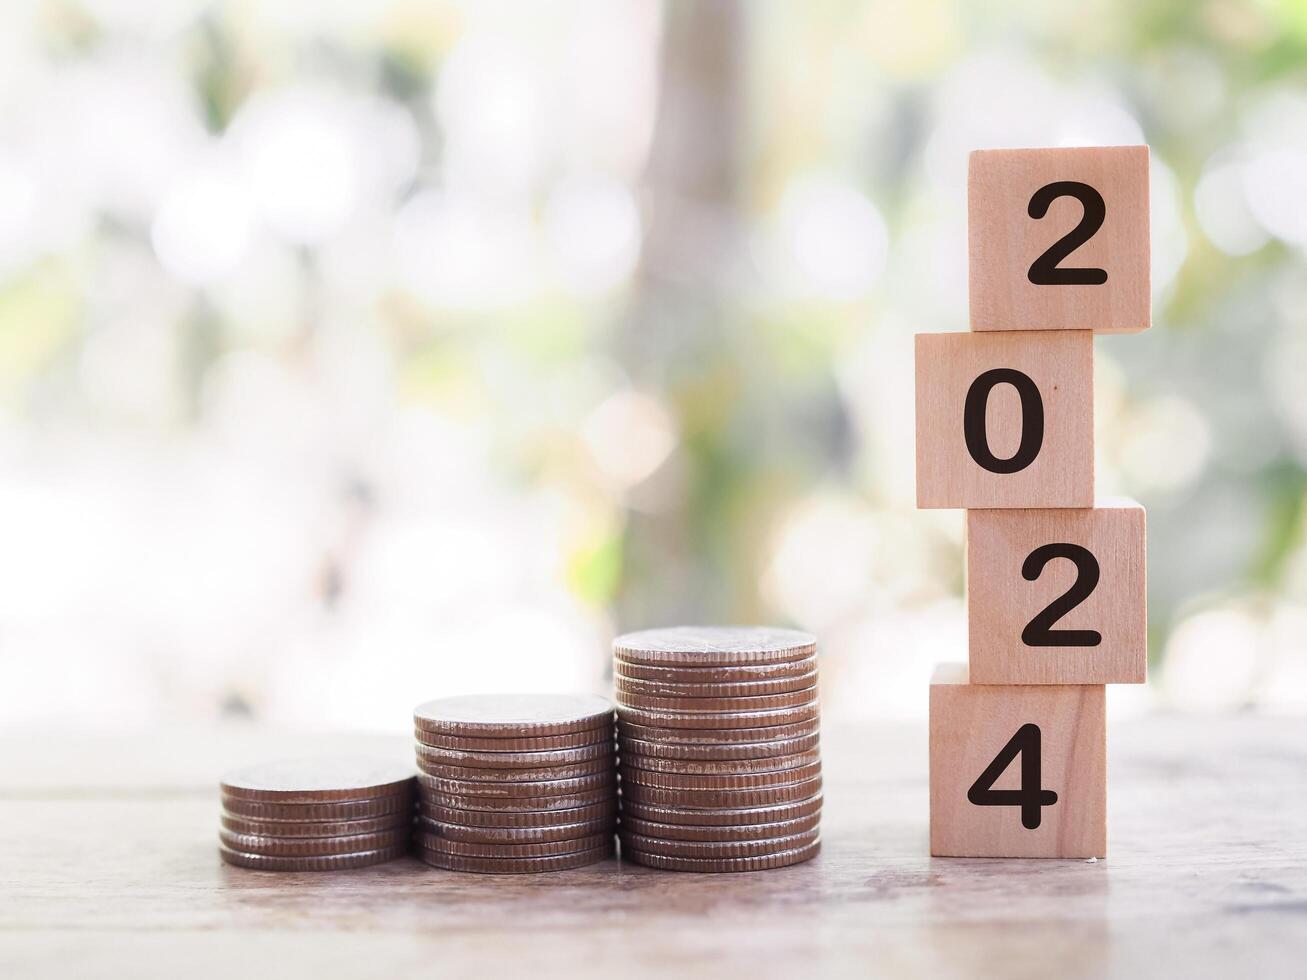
[[718, 746], [316, 814], [515, 783]]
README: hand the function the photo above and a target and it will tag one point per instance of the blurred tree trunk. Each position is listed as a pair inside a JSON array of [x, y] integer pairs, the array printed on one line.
[[673, 338]]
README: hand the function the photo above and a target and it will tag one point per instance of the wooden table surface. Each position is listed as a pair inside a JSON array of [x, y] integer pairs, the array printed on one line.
[[109, 867]]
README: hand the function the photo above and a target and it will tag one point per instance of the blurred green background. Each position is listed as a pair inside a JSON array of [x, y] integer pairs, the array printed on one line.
[[354, 353]]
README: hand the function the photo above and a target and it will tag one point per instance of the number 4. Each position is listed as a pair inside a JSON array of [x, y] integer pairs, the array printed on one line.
[[1031, 797]]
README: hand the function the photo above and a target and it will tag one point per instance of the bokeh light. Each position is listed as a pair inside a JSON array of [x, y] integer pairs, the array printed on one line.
[[362, 352]]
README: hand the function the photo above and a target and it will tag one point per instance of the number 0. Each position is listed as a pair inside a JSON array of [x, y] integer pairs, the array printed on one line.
[[975, 411]]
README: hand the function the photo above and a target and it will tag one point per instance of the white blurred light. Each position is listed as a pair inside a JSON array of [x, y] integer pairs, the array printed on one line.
[[1098, 122], [993, 99], [823, 560], [835, 237], [262, 300], [99, 676], [1212, 660], [593, 230], [387, 146], [1131, 701], [885, 660], [19, 195], [132, 367], [610, 125], [1196, 73], [120, 534], [21, 44], [1275, 184], [926, 281], [438, 565], [137, 126], [1223, 212], [376, 670], [910, 42], [259, 408], [487, 100], [1285, 364], [1169, 240], [147, 18], [301, 164], [455, 251], [1001, 98], [1275, 171], [357, 265], [1166, 444], [1284, 684], [877, 386], [537, 645], [629, 435], [203, 226]]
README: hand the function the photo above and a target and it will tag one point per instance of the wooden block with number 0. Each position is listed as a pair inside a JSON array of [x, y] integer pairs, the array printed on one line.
[[1058, 596], [1005, 419], [1016, 771], [1058, 239]]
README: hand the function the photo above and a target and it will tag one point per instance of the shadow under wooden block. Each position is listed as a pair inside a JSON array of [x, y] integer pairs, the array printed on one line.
[[1016, 771], [1058, 239], [1058, 596], [1005, 419]]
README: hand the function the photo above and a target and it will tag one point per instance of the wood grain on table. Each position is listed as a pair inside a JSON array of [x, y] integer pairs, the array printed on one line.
[[109, 868]]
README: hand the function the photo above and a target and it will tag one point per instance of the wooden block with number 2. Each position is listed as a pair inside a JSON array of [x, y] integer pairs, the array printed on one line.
[[1016, 770], [1058, 596], [1058, 239], [1005, 419]]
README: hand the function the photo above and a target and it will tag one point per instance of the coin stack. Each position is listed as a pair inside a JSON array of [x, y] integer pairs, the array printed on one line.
[[718, 742], [316, 814], [515, 783]]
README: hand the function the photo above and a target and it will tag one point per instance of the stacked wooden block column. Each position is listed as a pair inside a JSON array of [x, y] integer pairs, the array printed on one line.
[[1056, 597]]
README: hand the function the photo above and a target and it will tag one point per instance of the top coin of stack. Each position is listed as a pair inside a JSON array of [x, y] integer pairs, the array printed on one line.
[[515, 783], [316, 814], [718, 745]]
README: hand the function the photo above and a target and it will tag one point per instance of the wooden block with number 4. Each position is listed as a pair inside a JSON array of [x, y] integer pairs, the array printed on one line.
[[1058, 239], [1058, 596], [1016, 771], [1005, 419]]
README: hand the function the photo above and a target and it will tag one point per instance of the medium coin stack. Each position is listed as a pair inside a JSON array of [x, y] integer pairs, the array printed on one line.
[[515, 783], [316, 814], [718, 741]]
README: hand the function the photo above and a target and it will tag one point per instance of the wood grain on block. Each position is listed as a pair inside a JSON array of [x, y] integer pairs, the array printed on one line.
[[1084, 263], [1010, 381], [1058, 596], [971, 725]]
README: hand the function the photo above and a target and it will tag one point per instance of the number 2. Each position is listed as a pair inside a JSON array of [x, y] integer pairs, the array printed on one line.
[[1031, 797], [1039, 631], [1044, 271]]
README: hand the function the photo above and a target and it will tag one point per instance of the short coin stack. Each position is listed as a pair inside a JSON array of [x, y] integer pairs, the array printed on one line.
[[316, 814], [718, 742], [515, 783]]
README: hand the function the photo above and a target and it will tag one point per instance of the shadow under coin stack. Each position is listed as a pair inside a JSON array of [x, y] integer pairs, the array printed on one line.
[[316, 814], [515, 783], [718, 744]]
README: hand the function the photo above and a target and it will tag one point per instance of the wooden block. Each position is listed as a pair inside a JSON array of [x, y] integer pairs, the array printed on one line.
[[1016, 771], [1005, 419], [1058, 239], [1058, 596]]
